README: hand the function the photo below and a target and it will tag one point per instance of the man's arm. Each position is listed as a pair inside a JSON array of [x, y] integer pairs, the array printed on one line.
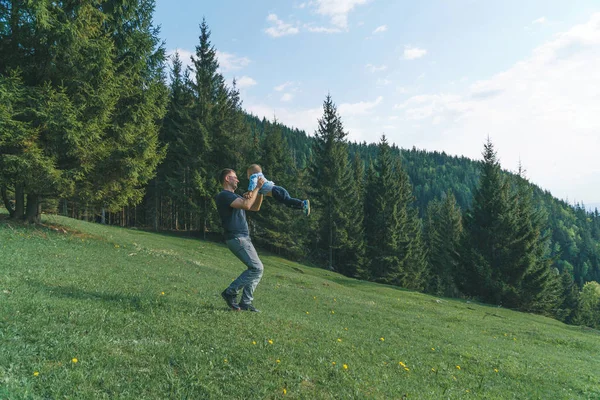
[[257, 203]]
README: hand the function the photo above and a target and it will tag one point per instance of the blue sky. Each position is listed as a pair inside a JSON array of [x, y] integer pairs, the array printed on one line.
[[439, 75]]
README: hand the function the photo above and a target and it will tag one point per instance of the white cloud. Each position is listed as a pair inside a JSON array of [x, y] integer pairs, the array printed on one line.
[[375, 68], [337, 10], [245, 82], [412, 53], [321, 29], [231, 62], [380, 29], [543, 110], [287, 97], [360, 108], [283, 86], [540, 20], [383, 82], [279, 28]]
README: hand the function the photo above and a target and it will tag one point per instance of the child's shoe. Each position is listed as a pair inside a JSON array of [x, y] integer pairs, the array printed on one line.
[[306, 207]]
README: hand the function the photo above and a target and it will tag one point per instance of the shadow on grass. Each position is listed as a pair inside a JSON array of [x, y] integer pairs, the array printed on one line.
[[129, 302]]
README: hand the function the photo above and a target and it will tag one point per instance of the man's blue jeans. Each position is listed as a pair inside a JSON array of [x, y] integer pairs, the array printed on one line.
[[243, 248]]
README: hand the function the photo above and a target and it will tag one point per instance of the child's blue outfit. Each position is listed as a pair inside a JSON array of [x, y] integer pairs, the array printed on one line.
[[278, 193]]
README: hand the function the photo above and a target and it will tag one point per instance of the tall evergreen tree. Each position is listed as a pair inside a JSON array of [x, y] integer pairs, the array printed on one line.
[[443, 232], [485, 244], [392, 228], [66, 67], [530, 271], [332, 185], [132, 144]]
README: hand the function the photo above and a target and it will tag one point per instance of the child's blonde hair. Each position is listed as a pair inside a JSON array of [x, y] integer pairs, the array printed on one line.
[[254, 169]]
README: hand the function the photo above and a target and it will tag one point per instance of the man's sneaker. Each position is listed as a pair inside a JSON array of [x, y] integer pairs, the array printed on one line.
[[306, 207], [248, 307], [230, 300]]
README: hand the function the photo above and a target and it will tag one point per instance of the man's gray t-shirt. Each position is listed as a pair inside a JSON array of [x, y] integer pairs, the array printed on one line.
[[233, 219]]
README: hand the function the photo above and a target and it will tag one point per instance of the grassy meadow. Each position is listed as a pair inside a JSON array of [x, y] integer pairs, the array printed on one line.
[[96, 312]]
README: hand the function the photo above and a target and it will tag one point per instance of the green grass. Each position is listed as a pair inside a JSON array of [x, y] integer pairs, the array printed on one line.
[[95, 293]]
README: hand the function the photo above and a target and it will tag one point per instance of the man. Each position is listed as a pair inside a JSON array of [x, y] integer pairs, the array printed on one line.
[[232, 210]]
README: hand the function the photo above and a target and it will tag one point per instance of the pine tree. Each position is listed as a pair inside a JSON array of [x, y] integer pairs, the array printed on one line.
[[487, 225], [66, 68], [132, 145], [569, 298], [173, 183], [392, 227], [332, 185], [538, 285], [443, 231]]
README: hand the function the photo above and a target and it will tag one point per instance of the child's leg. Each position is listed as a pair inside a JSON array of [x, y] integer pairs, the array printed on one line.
[[282, 196]]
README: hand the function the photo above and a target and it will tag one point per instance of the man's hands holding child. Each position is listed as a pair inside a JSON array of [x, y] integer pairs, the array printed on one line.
[[259, 184]]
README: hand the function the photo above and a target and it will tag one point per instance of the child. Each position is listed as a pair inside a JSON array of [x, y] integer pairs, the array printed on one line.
[[277, 192]]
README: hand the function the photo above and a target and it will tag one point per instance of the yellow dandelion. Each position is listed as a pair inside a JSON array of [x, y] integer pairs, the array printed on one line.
[[278, 361], [334, 300], [453, 377], [496, 370], [254, 342], [432, 369], [382, 339], [458, 367], [307, 313], [402, 364], [505, 334], [270, 341], [225, 360], [162, 293], [339, 339], [406, 369], [345, 366], [284, 391], [333, 312], [345, 329], [333, 363], [467, 390], [315, 297], [433, 349], [515, 339], [74, 361], [36, 373]]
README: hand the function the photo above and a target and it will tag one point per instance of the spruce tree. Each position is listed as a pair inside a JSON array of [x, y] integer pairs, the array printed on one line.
[[64, 62], [538, 285], [443, 231], [487, 226], [332, 192], [132, 144], [392, 228]]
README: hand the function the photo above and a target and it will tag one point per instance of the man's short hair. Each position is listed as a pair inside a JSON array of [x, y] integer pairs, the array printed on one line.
[[255, 168], [223, 174]]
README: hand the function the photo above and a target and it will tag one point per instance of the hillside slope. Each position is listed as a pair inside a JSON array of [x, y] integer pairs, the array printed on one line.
[[91, 311]]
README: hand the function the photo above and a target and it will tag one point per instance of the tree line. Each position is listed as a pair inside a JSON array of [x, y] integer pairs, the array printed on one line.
[[91, 126]]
